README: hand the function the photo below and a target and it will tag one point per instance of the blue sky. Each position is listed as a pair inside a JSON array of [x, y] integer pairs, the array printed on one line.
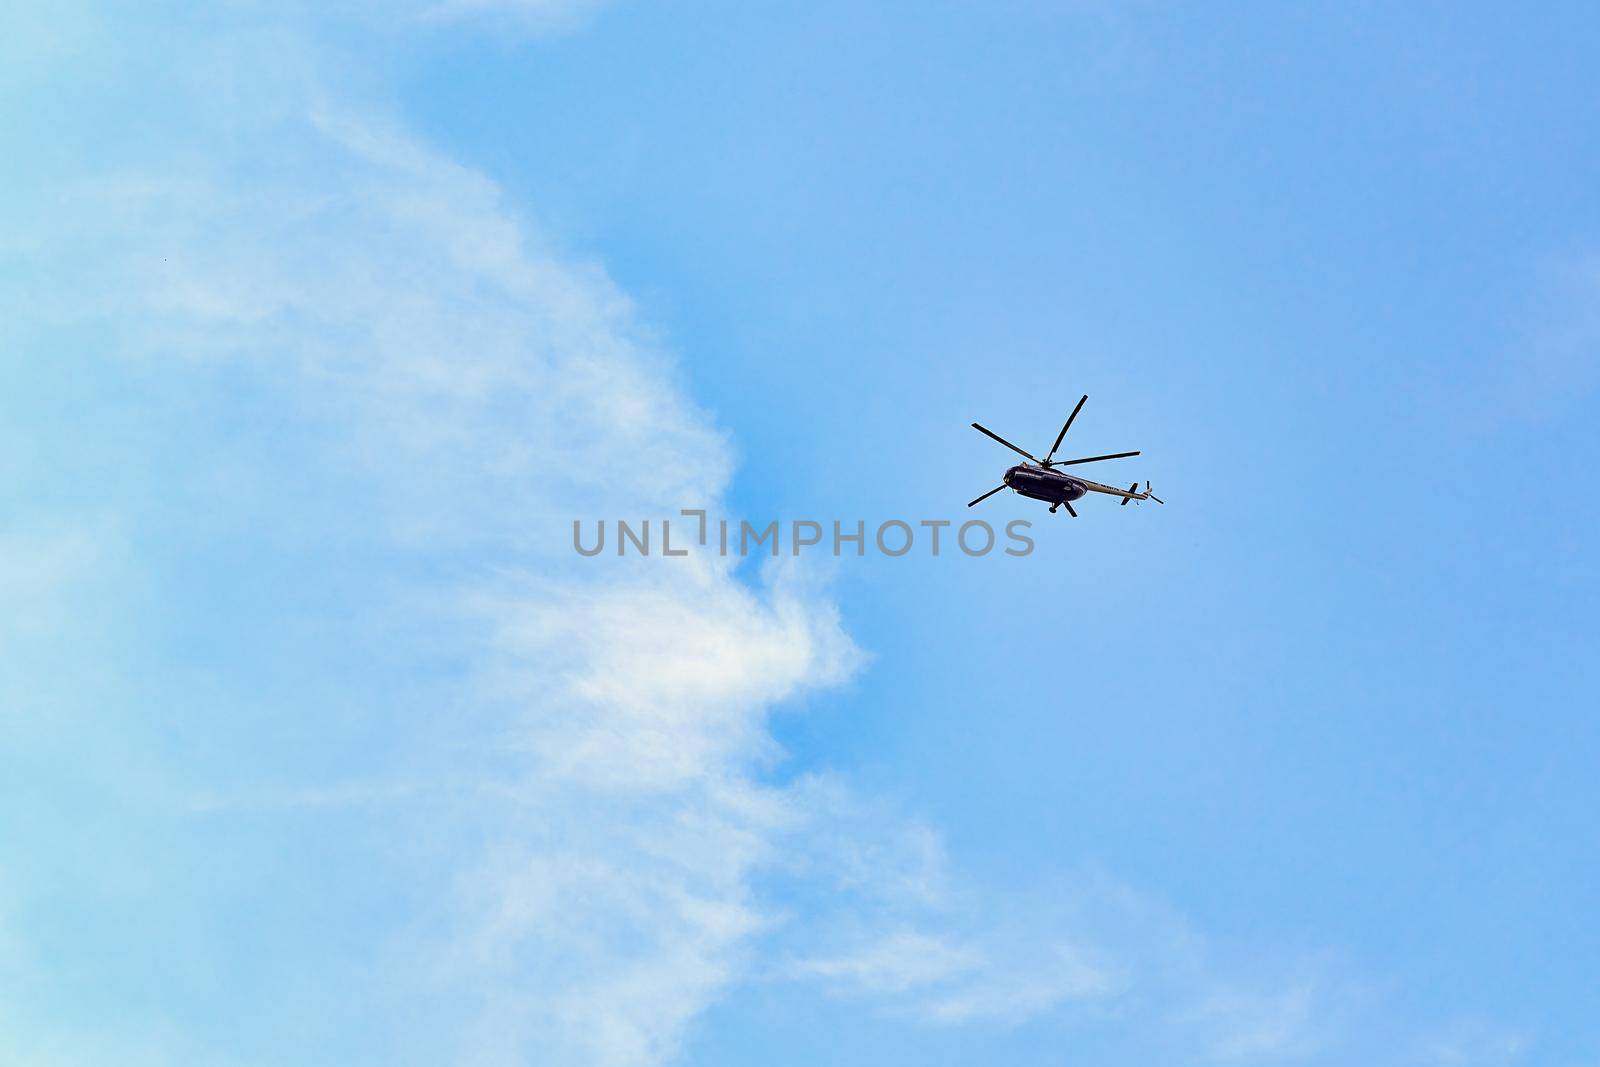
[[319, 326]]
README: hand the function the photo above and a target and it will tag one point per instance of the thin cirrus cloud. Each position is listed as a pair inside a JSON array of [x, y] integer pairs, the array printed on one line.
[[947, 982], [454, 394], [526, 14]]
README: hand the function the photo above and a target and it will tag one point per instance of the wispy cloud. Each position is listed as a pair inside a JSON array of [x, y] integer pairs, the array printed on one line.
[[943, 980], [40, 567], [536, 12], [443, 387], [1549, 363], [1286, 1022], [1469, 1041], [1089, 948]]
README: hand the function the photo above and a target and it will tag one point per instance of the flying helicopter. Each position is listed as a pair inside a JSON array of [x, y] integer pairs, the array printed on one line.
[[1039, 479]]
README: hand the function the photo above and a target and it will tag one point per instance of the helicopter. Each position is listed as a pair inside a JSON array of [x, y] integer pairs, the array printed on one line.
[[1039, 479]]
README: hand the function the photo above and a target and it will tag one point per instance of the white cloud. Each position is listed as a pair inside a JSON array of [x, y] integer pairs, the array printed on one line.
[[1469, 1041], [940, 979], [40, 566], [1261, 1024], [440, 385], [616, 901], [535, 10], [899, 961]]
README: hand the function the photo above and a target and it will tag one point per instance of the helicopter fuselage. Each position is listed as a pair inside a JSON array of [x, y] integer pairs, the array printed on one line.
[[1051, 486]]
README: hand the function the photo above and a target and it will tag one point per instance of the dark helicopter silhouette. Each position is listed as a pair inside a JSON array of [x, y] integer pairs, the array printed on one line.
[[1038, 478]]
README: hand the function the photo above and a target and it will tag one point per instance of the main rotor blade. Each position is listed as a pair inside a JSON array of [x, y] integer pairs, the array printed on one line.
[[989, 494], [1065, 428], [1002, 440], [1091, 459], [1068, 506]]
